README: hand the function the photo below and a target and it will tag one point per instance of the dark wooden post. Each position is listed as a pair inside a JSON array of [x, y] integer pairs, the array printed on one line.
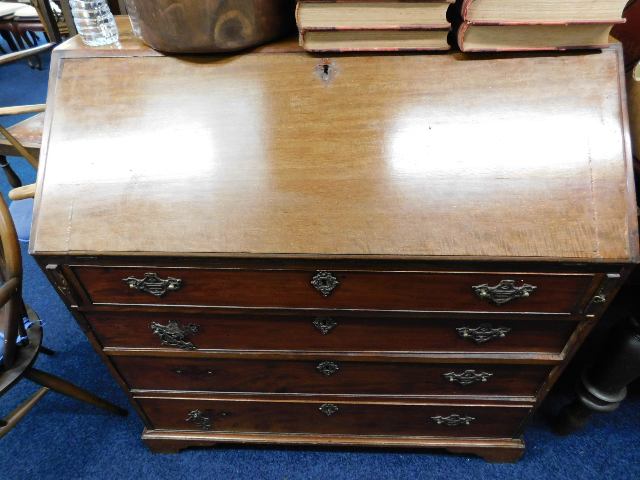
[[603, 385]]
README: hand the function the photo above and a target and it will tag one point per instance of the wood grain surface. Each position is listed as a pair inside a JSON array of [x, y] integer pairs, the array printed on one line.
[[364, 290], [401, 418], [350, 334], [351, 378], [401, 156]]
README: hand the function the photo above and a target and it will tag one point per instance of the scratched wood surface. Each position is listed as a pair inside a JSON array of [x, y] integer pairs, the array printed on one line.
[[270, 153]]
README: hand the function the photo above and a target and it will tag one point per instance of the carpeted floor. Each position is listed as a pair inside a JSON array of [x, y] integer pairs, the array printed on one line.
[[62, 438]]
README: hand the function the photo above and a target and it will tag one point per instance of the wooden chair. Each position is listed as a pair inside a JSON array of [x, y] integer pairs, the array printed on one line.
[[20, 326], [22, 332], [24, 138], [7, 30]]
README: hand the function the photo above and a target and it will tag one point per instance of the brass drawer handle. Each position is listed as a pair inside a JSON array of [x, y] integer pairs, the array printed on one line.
[[328, 409], [174, 334], [328, 368], [203, 418], [482, 333], [504, 292], [324, 282], [153, 284], [325, 324], [468, 377], [453, 420]]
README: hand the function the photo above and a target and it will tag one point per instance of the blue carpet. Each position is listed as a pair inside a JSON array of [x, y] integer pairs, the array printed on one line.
[[62, 438]]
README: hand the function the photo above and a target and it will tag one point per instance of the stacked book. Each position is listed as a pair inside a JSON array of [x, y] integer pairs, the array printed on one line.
[[373, 25], [510, 25]]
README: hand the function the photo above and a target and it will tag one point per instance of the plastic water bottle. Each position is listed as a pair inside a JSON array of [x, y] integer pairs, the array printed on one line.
[[94, 21]]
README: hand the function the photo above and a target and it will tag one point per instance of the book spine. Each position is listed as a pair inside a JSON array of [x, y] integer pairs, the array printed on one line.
[[460, 36]]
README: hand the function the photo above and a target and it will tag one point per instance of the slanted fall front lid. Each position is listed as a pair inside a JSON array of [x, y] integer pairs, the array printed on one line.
[[267, 153]]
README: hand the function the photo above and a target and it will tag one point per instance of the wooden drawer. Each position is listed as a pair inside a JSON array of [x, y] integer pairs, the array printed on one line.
[[353, 290], [334, 417], [308, 332], [329, 376]]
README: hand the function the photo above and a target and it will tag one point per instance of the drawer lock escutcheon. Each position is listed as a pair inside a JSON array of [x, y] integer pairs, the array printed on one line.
[[468, 377], [174, 334], [504, 292], [325, 283], [453, 420], [203, 419], [325, 324], [328, 409], [153, 284], [328, 368], [482, 333]]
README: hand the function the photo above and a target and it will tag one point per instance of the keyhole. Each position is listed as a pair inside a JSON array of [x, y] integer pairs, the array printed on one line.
[[325, 70]]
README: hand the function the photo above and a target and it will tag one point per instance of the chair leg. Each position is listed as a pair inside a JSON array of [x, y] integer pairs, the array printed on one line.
[[11, 175], [37, 62], [24, 408], [47, 351], [62, 386]]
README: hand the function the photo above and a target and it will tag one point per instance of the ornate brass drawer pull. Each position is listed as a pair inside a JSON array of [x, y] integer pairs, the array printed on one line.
[[153, 284], [453, 420], [325, 324], [482, 333], [504, 292], [325, 283], [328, 409], [468, 377], [203, 419], [174, 334], [328, 368]]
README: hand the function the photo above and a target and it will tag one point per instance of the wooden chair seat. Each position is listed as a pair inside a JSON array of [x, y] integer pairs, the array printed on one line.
[[28, 133]]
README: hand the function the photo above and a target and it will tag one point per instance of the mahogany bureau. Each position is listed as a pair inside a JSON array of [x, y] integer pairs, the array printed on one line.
[[393, 250]]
